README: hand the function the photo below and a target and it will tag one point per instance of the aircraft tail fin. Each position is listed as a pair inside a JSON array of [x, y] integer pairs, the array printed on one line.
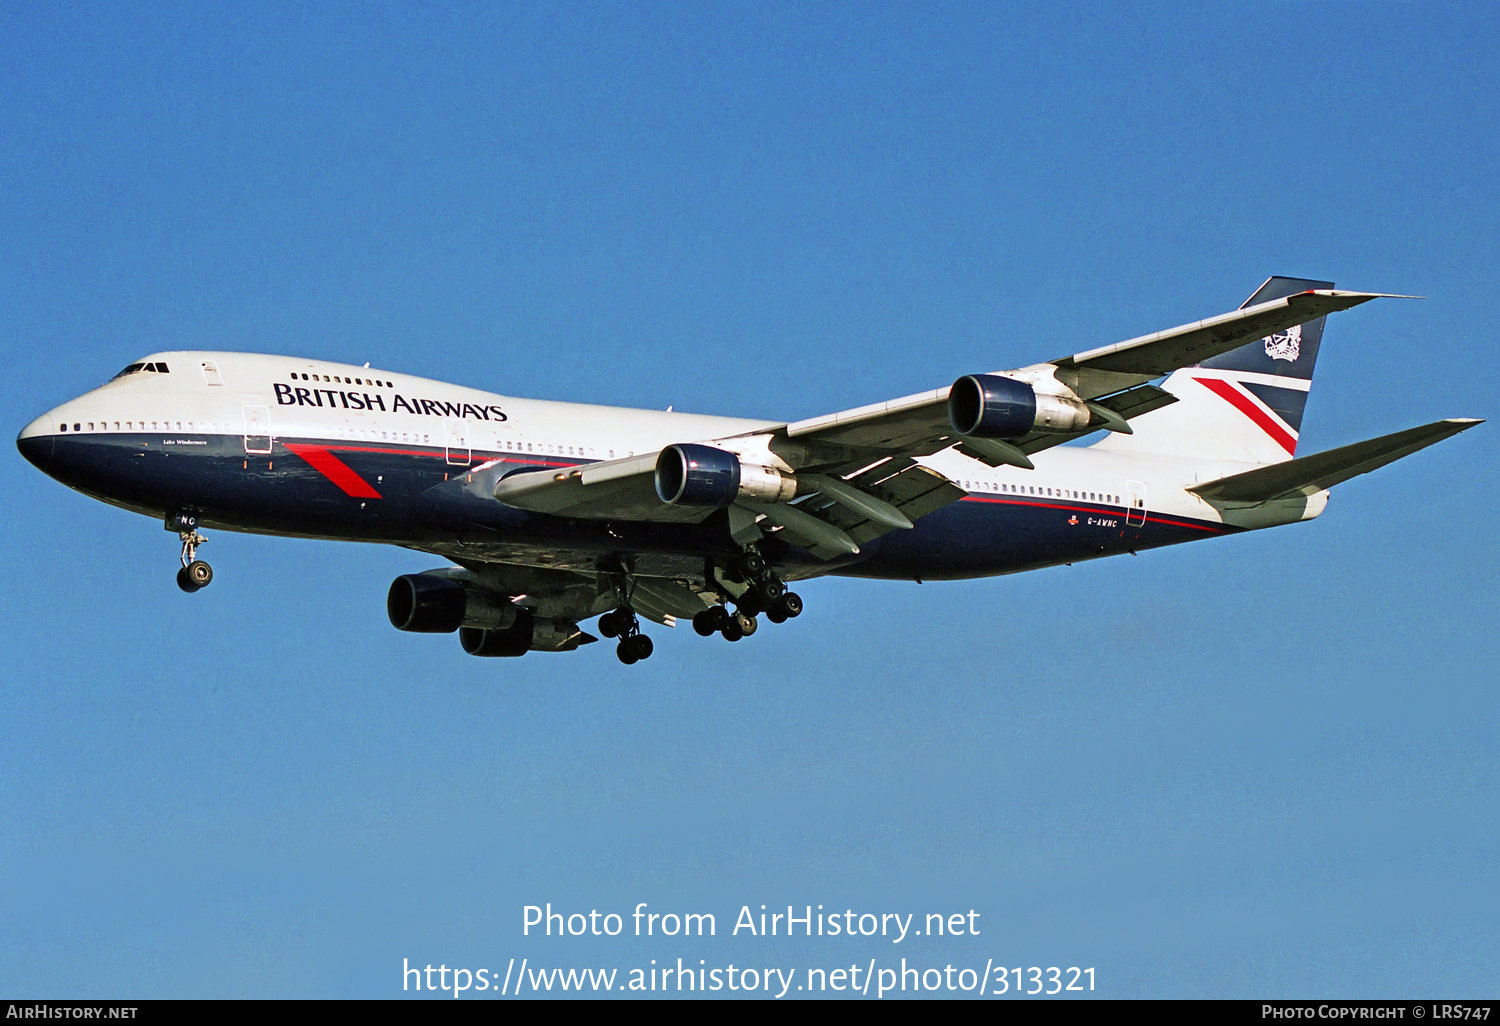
[[1308, 475], [1243, 405]]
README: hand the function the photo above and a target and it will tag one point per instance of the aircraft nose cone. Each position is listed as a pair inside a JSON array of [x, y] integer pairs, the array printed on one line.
[[36, 446]]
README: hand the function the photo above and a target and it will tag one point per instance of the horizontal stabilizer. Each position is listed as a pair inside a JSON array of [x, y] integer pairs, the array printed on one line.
[[1308, 475]]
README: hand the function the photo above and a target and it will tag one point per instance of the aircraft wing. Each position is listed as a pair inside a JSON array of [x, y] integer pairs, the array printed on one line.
[[900, 482], [1307, 475], [856, 469], [1151, 356], [918, 424], [848, 506], [622, 489]]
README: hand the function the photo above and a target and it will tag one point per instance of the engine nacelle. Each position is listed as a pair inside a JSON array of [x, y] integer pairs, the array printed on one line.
[[700, 475], [431, 603], [527, 634], [992, 406], [514, 640]]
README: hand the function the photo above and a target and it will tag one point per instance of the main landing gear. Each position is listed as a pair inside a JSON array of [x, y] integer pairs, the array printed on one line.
[[195, 573], [719, 620], [760, 591], [622, 623]]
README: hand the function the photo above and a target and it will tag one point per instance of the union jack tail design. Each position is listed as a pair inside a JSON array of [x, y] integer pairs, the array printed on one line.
[[1245, 405]]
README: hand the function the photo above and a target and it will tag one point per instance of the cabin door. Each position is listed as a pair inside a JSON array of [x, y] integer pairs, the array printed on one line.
[[1135, 503], [457, 436], [257, 430]]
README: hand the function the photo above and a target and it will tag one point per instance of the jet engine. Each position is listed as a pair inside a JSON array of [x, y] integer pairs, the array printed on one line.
[[432, 603], [992, 406], [701, 475], [527, 634]]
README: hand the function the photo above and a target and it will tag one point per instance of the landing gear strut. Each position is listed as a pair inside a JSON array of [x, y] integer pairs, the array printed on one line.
[[195, 573], [622, 623]]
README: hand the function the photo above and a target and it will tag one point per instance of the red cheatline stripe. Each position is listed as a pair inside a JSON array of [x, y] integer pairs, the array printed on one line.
[[335, 469], [529, 461], [1108, 511], [1241, 402]]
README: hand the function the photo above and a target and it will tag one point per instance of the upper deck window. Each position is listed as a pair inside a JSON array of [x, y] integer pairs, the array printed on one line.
[[339, 378]]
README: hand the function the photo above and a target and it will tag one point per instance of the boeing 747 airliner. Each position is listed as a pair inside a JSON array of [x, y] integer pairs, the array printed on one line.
[[554, 513]]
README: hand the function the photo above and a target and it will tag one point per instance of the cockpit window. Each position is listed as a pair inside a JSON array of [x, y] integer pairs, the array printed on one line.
[[137, 368]]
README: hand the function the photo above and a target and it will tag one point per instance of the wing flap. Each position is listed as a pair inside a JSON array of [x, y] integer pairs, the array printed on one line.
[[900, 482], [664, 600], [1308, 475]]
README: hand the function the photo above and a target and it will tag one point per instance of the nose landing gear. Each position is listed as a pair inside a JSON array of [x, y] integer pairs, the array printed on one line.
[[195, 573]]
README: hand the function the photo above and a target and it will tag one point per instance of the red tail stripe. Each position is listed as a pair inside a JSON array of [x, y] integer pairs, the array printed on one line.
[[335, 469], [1242, 402]]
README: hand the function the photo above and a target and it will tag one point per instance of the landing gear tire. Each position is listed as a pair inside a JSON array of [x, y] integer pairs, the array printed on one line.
[[790, 605], [775, 615], [197, 573], [770, 591], [731, 629], [185, 582], [706, 623], [622, 623], [747, 624], [634, 648], [752, 565]]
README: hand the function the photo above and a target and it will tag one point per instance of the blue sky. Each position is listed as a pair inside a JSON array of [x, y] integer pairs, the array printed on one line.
[[1258, 766]]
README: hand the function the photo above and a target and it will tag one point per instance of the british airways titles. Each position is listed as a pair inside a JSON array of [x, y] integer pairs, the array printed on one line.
[[289, 395]]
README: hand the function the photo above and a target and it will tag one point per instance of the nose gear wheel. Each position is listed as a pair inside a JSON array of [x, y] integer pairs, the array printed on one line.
[[195, 573]]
